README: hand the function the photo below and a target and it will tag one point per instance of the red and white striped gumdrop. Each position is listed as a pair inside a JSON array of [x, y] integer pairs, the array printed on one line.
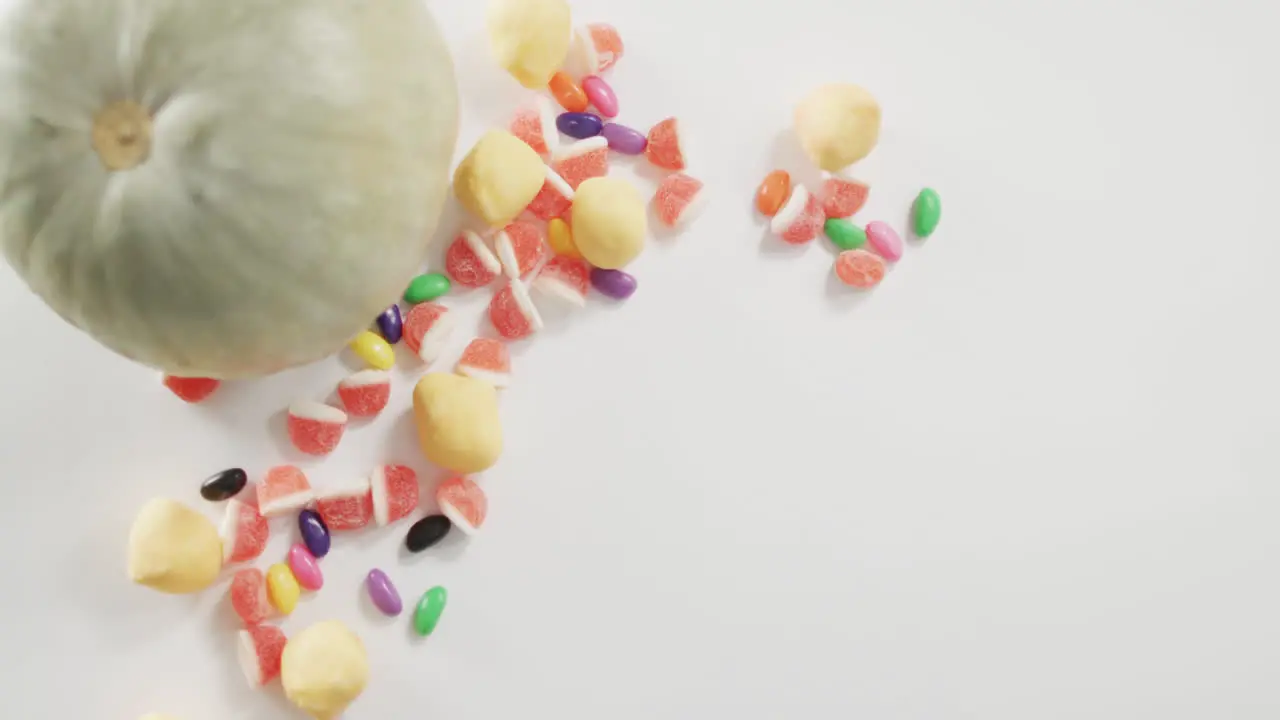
[[463, 502], [800, 220], [395, 493], [843, 197], [582, 160], [535, 124], [427, 329], [512, 312], [261, 649], [348, 507], [488, 360], [860, 269], [678, 200], [520, 247], [470, 262], [192, 390], [316, 428], [366, 393], [284, 489], [248, 596], [244, 532], [666, 147], [595, 48], [564, 278], [554, 199]]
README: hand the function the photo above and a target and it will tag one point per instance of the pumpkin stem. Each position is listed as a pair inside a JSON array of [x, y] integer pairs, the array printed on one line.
[[122, 135]]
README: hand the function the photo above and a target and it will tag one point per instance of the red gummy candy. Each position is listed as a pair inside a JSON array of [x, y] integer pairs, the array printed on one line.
[[284, 489], [665, 148], [244, 533], [679, 198], [843, 197], [553, 200], [520, 247], [366, 393], [801, 219], [427, 329], [470, 262], [596, 48], [860, 269], [535, 124], [463, 502], [512, 312], [395, 493], [488, 360], [346, 508], [192, 390], [582, 160], [261, 648], [565, 278], [316, 428], [249, 596]]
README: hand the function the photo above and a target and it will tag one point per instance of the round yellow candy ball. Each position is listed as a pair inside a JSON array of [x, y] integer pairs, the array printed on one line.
[[838, 124], [609, 222], [324, 669]]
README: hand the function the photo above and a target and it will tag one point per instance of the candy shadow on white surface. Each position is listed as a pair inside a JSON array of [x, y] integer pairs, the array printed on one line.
[[786, 154], [774, 247], [844, 297], [278, 431], [452, 221]]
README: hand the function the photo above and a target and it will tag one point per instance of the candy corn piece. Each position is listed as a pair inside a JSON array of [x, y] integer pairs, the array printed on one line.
[[349, 507], [535, 124], [427, 329], [248, 596], [470, 262], [520, 247], [595, 48], [463, 502], [582, 160], [666, 148], [261, 649], [244, 533], [512, 312], [843, 197], [284, 489], [488, 360], [191, 390], [800, 220], [553, 200], [316, 428], [678, 200], [365, 393], [564, 278], [395, 493]]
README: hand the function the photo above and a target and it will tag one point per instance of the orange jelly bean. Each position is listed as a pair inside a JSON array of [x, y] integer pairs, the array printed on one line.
[[567, 93], [773, 192]]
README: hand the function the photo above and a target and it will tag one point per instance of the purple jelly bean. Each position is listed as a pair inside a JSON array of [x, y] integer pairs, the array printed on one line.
[[601, 96], [613, 283], [623, 139], [315, 534], [391, 324], [383, 593], [579, 125]]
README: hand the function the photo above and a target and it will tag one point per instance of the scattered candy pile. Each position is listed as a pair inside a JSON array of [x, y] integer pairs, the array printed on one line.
[[555, 225]]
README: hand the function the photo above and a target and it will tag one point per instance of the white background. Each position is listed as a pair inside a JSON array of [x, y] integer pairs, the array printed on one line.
[[1031, 476]]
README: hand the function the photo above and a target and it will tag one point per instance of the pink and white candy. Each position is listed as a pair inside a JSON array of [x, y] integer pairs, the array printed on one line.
[[395, 493], [316, 428], [366, 393]]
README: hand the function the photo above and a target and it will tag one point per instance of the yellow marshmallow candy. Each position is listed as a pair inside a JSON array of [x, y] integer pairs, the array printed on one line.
[[530, 38], [498, 179], [173, 548], [457, 418], [609, 222], [838, 124], [324, 669]]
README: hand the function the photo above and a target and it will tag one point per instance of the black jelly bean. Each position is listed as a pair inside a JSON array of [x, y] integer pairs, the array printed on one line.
[[427, 532], [224, 485]]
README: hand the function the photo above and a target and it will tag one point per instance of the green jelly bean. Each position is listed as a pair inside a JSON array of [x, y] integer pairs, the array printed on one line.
[[926, 212], [426, 288], [430, 607], [844, 234]]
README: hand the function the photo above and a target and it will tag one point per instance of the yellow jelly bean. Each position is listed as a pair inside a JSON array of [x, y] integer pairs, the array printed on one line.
[[374, 350], [283, 588], [561, 239]]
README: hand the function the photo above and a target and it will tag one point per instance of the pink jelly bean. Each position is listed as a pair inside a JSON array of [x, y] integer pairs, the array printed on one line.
[[304, 567], [601, 95], [884, 240]]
